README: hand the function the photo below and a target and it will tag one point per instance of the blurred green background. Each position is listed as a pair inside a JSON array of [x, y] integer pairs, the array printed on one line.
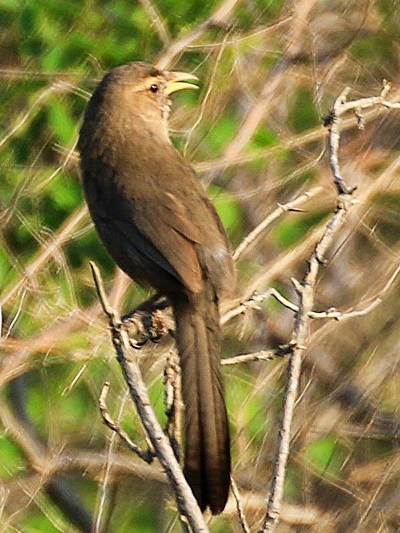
[[269, 72]]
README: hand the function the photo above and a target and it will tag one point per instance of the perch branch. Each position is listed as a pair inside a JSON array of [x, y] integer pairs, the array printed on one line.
[[186, 502]]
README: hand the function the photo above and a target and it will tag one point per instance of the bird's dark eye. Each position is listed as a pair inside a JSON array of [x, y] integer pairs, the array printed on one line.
[[154, 88]]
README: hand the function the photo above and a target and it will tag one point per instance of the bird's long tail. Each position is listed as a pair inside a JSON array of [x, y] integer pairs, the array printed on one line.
[[207, 447]]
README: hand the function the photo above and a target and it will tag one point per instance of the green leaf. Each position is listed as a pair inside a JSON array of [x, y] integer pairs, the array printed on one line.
[[227, 208], [263, 138], [61, 122], [304, 115], [28, 19], [290, 231], [37, 522], [221, 134], [65, 192], [7, 270], [325, 455], [9, 5], [12, 460]]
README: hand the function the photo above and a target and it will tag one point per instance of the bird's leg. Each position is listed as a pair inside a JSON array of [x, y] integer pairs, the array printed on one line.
[[145, 322], [157, 301]]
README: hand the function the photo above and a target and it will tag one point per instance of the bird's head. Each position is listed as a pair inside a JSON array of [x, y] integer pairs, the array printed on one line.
[[140, 88]]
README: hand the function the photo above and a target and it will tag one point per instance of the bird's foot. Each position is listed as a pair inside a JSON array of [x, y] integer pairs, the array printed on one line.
[[143, 326]]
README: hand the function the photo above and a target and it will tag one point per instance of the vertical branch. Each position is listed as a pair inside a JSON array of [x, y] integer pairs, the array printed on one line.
[[306, 294]]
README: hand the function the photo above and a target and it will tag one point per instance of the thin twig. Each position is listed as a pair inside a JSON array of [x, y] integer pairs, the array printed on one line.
[[293, 205], [253, 302], [46, 251], [361, 311], [146, 455], [156, 21], [239, 507], [332, 312], [263, 355], [344, 315], [104, 505]]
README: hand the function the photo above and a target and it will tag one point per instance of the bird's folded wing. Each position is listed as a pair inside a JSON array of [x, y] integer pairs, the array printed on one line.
[[158, 228], [175, 235]]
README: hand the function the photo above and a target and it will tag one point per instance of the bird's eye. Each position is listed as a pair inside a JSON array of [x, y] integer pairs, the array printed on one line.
[[154, 88]]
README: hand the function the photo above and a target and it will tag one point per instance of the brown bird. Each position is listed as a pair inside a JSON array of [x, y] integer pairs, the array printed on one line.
[[155, 220]]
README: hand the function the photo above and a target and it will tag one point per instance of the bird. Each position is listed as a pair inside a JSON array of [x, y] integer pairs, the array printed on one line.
[[154, 217]]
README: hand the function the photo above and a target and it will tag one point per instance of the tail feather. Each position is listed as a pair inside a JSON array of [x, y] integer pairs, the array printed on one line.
[[207, 448]]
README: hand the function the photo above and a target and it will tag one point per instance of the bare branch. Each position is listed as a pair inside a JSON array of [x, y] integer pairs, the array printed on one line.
[[173, 401], [219, 18], [186, 502], [239, 507], [148, 455], [156, 21], [306, 292], [47, 251], [282, 208], [361, 311], [251, 303], [299, 341], [363, 103], [264, 355], [340, 107]]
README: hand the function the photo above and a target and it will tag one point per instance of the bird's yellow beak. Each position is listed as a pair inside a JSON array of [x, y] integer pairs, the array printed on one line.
[[176, 81]]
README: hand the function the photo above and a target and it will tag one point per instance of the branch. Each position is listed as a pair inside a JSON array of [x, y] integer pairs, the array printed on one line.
[[340, 107], [147, 455], [218, 18], [156, 21], [306, 293], [186, 502], [255, 299], [262, 355], [281, 209], [239, 507], [372, 304], [363, 103]]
